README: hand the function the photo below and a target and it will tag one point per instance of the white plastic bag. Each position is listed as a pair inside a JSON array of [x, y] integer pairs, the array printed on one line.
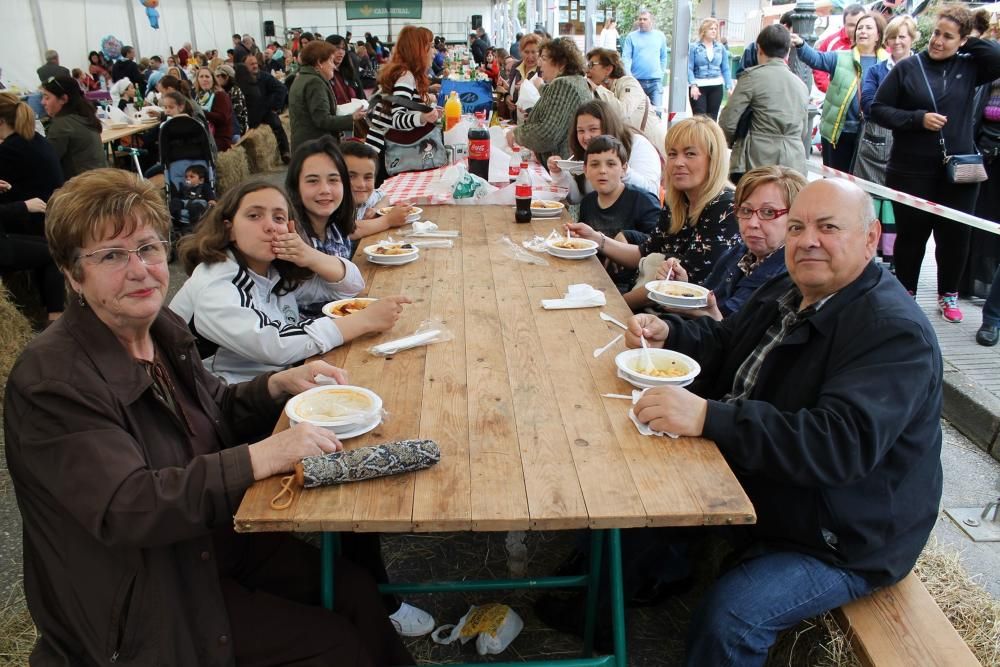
[[493, 625], [528, 95]]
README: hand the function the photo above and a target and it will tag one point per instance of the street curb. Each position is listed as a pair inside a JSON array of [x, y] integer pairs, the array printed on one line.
[[972, 410]]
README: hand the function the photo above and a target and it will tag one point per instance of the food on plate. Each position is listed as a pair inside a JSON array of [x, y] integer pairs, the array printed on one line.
[[348, 307], [545, 204], [689, 292], [332, 404], [393, 249], [412, 211], [572, 244], [673, 369]]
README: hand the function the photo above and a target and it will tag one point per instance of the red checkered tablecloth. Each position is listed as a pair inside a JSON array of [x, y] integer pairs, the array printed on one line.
[[416, 186]]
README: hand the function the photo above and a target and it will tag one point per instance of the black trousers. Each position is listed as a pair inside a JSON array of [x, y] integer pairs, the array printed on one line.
[[709, 102], [841, 156], [24, 252], [272, 121], [914, 227], [271, 585]]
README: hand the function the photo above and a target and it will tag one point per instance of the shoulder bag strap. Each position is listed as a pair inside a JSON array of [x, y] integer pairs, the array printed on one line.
[[930, 91]]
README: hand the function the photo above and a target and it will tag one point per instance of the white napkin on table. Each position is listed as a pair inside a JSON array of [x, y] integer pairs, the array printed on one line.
[[577, 296]]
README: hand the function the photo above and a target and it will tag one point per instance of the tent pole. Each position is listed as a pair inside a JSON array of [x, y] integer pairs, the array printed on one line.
[[284, 19], [589, 25], [132, 28], [260, 25], [232, 18], [36, 18], [194, 37]]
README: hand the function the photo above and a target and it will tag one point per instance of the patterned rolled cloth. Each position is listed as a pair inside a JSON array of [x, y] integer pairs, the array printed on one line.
[[389, 458]]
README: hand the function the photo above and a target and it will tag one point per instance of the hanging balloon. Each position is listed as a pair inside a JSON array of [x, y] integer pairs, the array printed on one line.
[[151, 13], [111, 47]]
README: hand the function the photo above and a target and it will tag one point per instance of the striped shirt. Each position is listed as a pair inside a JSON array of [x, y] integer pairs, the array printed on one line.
[[397, 117]]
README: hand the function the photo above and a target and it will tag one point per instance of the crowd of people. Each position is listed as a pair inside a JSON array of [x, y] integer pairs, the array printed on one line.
[[139, 462]]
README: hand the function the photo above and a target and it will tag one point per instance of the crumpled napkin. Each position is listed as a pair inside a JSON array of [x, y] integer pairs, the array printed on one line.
[[536, 243], [425, 226], [577, 296], [643, 428]]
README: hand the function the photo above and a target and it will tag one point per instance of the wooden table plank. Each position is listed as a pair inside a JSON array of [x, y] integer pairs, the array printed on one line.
[[114, 134], [555, 500], [499, 499], [442, 495]]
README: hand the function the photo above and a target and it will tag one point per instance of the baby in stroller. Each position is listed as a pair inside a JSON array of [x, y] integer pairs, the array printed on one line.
[[196, 195]]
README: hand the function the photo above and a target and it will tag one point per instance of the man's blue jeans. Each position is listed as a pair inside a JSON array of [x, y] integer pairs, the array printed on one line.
[[653, 89], [741, 615], [991, 309]]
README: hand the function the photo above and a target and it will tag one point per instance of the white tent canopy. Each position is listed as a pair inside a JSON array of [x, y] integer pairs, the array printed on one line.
[[76, 27]]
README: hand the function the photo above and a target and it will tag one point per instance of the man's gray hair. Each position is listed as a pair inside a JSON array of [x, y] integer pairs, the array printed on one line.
[[645, 11], [51, 56], [867, 211]]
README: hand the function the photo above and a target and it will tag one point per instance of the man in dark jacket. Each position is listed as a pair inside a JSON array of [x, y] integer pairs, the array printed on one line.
[[51, 67], [127, 69], [478, 47], [824, 395], [266, 98]]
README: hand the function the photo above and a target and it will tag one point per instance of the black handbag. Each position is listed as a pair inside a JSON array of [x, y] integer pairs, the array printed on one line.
[[960, 169]]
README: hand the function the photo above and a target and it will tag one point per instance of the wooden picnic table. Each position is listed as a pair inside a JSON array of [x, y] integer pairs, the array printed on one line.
[[514, 403], [114, 134]]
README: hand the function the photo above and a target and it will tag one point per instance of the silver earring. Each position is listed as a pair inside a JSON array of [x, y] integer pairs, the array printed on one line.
[[80, 299]]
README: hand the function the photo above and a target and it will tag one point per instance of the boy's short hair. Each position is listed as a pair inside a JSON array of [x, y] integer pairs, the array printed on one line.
[[774, 41], [198, 170], [605, 143], [359, 149]]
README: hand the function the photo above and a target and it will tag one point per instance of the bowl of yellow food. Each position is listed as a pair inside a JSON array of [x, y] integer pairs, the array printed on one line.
[[340, 408], [546, 208], [668, 368], [677, 294], [572, 248], [385, 252], [345, 307], [412, 215]]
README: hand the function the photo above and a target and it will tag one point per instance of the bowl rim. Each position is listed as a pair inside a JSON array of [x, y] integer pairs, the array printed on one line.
[[704, 290], [547, 208], [368, 416], [693, 372], [415, 250], [550, 243], [417, 210], [331, 304]]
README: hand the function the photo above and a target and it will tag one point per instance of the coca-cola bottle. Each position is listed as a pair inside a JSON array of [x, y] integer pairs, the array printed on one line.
[[522, 194], [479, 151]]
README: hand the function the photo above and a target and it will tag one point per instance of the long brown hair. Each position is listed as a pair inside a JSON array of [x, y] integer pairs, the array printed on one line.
[[18, 115], [210, 240], [408, 55], [611, 123]]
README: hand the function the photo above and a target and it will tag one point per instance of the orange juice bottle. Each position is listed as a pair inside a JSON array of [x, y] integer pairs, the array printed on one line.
[[452, 111]]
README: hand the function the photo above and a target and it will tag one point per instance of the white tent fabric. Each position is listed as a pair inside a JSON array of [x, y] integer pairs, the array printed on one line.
[[76, 27]]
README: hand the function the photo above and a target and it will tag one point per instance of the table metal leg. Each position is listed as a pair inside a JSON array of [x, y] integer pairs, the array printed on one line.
[[593, 590], [617, 595], [330, 549]]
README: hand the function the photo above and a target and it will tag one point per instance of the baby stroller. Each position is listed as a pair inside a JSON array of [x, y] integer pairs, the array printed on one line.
[[185, 142]]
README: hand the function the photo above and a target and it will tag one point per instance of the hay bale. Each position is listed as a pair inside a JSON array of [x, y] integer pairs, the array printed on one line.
[[15, 332], [266, 148], [233, 168], [249, 145]]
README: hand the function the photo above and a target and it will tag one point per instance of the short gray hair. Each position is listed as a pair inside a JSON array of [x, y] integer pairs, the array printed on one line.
[[867, 211], [51, 56]]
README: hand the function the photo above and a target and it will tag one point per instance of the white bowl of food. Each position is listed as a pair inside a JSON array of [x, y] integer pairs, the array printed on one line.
[[572, 248], [391, 253], [413, 215], [669, 368], [677, 294], [340, 408], [345, 307], [546, 208], [574, 167]]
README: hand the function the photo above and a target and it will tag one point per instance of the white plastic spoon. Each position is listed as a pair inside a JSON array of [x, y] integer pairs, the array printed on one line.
[[601, 350], [608, 318]]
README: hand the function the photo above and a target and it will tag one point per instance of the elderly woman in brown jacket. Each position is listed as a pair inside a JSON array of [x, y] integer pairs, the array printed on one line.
[[129, 459]]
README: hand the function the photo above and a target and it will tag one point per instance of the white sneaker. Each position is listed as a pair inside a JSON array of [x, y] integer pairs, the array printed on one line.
[[411, 622]]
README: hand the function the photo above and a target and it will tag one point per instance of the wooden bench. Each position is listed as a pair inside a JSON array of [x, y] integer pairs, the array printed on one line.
[[902, 626]]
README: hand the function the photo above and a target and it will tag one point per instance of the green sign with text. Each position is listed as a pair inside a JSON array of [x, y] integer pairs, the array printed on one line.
[[359, 10]]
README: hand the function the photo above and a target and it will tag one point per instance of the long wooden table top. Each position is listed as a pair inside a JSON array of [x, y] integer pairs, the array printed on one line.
[[514, 402], [114, 134]]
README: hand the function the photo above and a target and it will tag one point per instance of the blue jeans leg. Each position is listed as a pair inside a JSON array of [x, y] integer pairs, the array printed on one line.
[[991, 309], [653, 89], [741, 615]]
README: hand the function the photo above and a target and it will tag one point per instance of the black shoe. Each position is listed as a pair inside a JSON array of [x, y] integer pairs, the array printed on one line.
[[568, 615], [988, 335]]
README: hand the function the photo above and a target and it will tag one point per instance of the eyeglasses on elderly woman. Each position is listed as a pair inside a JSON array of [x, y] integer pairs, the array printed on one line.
[[114, 259], [763, 213]]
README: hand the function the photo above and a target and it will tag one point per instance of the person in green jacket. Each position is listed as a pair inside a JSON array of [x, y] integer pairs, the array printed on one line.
[[840, 124], [74, 131], [546, 131], [312, 108]]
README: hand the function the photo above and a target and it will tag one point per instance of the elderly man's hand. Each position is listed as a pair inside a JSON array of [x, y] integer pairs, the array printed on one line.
[[651, 327], [711, 310], [296, 380], [279, 453], [672, 410]]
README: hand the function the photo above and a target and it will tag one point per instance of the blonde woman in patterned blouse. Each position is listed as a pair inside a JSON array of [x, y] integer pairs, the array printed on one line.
[[698, 224]]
